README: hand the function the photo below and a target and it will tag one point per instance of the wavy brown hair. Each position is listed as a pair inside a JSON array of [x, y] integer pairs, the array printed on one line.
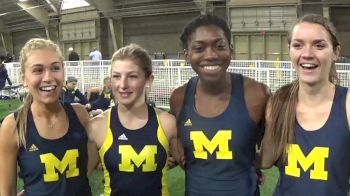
[[281, 109]]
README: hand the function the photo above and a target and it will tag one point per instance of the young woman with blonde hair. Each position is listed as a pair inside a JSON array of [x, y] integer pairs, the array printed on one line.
[[134, 139], [47, 139]]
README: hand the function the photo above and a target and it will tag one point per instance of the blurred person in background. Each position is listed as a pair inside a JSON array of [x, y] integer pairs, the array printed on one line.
[[95, 55], [71, 93], [104, 97], [72, 56], [4, 76]]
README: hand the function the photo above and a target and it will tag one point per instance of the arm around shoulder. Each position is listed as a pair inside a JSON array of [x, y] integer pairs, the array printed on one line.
[[9, 145]]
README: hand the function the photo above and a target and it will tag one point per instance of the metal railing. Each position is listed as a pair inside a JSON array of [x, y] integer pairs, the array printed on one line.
[[170, 74]]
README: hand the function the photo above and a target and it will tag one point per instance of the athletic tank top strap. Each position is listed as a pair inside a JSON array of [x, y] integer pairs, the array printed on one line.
[[190, 91], [237, 90], [339, 105]]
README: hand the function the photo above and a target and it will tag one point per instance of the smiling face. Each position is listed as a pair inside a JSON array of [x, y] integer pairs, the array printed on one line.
[[208, 52], [43, 74], [312, 52], [129, 82]]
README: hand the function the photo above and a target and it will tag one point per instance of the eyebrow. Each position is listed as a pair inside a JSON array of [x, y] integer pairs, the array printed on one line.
[[41, 65], [131, 72], [317, 40], [215, 40]]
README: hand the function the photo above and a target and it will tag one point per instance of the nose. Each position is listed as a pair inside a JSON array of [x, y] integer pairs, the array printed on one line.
[[47, 75], [210, 53], [307, 52], [123, 83]]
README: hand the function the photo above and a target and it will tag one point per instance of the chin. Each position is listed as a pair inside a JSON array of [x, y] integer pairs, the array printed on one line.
[[125, 102], [309, 82]]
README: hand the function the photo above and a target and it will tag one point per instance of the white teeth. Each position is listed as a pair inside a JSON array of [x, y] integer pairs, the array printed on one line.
[[308, 65], [47, 88], [211, 67]]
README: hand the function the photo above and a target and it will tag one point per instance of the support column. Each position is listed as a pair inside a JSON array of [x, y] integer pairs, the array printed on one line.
[[52, 34], [47, 33], [116, 29], [3, 42]]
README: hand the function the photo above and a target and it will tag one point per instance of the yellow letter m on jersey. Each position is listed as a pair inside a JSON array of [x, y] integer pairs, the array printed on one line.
[[146, 156], [316, 157], [221, 138], [52, 163]]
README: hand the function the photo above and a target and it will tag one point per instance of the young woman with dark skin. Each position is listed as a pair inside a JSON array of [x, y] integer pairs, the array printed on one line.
[[219, 114]]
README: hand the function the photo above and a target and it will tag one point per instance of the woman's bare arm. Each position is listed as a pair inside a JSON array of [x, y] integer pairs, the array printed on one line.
[[8, 156]]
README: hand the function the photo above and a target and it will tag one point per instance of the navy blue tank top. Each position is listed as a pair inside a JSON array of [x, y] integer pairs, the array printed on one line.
[[55, 166], [134, 161], [219, 151], [103, 101], [318, 163]]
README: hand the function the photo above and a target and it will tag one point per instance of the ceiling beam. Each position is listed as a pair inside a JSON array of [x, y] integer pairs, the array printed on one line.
[[36, 11], [104, 6], [52, 6]]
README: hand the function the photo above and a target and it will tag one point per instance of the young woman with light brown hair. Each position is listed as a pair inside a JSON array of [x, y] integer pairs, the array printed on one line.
[[307, 122]]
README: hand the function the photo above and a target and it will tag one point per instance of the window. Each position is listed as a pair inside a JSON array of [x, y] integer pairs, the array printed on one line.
[[70, 4]]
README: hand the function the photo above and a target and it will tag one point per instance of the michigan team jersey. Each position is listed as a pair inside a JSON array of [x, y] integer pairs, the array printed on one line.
[[318, 163], [134, 161], [72, 96], [103, 101], [53, 167], [219, 151]]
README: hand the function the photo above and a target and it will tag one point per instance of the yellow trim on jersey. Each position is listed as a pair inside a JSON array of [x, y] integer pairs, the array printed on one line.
[[165, 143], [107, 143]]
